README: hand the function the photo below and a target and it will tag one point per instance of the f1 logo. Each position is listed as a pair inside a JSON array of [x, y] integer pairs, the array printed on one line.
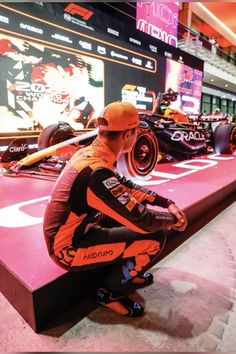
[[75, 9]]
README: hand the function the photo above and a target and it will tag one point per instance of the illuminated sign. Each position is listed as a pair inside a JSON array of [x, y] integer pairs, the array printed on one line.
[[135, 41], [4, 19], [187, 82], [112, 31], [153, 48], [61, 38], [182, 135], [31, 28], [139, 96], [160, 20], [76, 9], [85, 45]]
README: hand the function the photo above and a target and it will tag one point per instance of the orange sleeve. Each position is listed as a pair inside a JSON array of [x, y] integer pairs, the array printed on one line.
[[106, 194]]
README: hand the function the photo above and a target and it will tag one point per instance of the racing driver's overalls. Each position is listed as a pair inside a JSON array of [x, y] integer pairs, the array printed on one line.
[[96, 217]]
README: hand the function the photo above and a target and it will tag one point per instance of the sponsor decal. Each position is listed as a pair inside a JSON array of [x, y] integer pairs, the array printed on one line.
[[31, 28], [153, 48], [137, 61], [182, 135], [98, 254], [135, 41], [112, 31], [118, 55], [76, 21], [75, 9], [137, 305], [117, 191], [61, 38], [163, 217], [111, 182], [149, 65], [4, 19], [124, 198], [66, 255], [101, 50], [85, 45], [20, 148], [130, 205]]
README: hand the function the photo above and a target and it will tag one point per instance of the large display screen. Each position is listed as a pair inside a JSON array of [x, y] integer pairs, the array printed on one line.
[[51, 73], [160, 20], [41, 85], [187, 82], [56, 67]]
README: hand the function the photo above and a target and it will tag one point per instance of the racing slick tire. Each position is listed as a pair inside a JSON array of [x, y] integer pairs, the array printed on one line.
[[54, 133], [224, 139], [142, 159]]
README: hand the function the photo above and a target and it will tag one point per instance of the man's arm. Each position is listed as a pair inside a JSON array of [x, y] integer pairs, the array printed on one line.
[[145, 195], [106, 194]]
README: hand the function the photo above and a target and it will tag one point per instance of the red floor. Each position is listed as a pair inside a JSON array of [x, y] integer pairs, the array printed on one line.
[[191, 184], [23, 201]]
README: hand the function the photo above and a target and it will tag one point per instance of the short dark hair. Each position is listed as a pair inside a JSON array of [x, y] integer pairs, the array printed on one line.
[[110, 134], [113, 134]]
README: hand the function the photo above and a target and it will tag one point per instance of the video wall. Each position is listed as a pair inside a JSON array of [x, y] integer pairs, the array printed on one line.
[[52, 73], [187, 82]]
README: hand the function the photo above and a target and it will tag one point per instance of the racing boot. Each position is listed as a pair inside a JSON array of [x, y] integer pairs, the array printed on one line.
[[119, 303], [142, 280]]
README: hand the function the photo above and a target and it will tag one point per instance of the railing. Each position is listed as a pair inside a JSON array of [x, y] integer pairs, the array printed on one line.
[[184, 33]]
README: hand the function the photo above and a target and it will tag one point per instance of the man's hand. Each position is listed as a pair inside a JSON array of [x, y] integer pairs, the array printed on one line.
[[182, 221]]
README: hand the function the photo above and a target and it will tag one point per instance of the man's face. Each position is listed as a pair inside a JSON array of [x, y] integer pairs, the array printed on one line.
[[130, 138]]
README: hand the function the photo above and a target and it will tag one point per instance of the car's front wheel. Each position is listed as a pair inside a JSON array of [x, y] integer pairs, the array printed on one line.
[[142, 159]]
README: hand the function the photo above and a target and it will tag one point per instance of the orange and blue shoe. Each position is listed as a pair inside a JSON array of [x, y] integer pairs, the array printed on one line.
[[119, 303], [142, 280]]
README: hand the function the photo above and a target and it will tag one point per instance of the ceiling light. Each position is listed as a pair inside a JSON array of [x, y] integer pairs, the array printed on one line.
[[226, 85], [217, 20], [212, 80]]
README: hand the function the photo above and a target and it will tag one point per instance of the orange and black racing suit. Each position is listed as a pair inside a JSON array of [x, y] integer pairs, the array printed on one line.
[[96, 217]]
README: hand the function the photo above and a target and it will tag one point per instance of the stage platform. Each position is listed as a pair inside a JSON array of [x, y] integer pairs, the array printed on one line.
[[38, 288]]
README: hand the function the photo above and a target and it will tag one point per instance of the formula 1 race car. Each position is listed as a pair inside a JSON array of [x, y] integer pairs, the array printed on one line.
[[182, 136], [167, 135], [58, 142]]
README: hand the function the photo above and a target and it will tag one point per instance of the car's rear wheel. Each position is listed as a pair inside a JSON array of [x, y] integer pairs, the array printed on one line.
[[224, 139], [54, 134], [141, 161]]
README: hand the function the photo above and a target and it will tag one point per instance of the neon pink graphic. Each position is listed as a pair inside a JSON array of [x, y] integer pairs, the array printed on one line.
[[187, 82], [159, 20]]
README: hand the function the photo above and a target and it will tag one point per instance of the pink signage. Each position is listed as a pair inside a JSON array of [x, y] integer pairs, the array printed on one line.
[[159, 20]]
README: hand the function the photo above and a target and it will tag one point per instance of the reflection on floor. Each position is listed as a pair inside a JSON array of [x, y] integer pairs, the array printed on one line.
[[190, 307]]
